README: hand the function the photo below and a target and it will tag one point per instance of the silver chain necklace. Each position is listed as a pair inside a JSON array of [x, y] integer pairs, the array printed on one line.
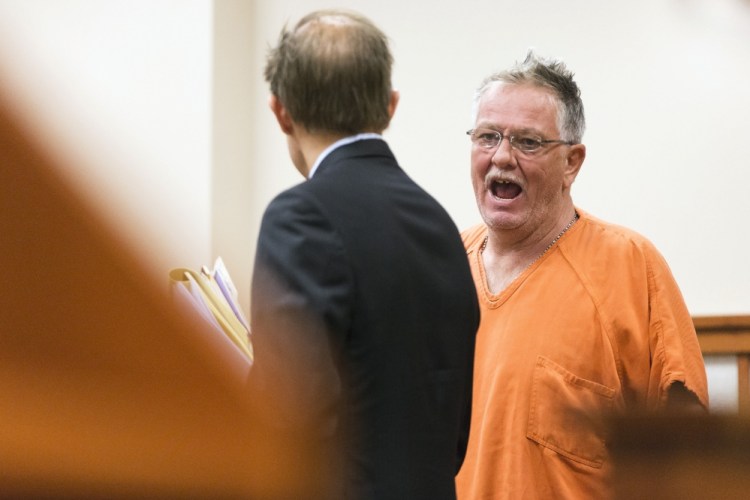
[[572, 221]]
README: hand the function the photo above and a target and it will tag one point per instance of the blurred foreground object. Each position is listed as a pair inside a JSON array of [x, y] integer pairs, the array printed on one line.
[[678, 458], [105, 389]]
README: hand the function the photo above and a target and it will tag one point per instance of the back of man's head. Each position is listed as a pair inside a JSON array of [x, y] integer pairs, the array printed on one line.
[[332, 73]]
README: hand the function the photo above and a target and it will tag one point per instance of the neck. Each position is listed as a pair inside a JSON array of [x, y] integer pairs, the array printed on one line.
[[311, 145], [505, 259]]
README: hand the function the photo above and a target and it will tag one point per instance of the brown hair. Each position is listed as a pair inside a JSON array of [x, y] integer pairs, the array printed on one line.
[[332, 72]]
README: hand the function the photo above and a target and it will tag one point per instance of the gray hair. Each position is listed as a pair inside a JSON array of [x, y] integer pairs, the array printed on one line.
[[551, 74]]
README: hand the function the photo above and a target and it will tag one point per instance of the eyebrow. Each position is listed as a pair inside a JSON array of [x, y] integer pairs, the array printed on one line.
[[518, 131]]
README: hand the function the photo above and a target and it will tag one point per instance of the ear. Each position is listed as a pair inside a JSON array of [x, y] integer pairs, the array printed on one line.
[[393, 103], [282, 115], [574, 160]]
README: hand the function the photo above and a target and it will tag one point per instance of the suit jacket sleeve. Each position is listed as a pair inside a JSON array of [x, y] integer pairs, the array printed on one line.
[[300, 314]]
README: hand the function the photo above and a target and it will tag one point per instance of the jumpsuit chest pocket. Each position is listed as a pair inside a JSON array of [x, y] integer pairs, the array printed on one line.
[[566, 413]]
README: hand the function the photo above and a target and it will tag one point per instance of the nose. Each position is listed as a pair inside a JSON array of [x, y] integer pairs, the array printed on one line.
[[503, 156]]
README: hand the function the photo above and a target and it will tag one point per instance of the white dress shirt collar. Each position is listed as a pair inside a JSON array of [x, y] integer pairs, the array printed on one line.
[[338, 144]]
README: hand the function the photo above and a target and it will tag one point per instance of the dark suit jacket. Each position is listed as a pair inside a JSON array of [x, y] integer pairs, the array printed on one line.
[[364, 315]]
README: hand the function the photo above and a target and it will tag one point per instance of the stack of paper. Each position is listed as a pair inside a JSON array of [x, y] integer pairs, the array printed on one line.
[[212, 293]]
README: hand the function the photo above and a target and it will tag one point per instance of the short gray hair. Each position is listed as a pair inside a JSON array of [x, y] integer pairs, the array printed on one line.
[[551, 74]]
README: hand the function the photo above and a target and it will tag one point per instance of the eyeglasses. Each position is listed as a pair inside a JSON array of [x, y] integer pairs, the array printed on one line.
[[487, 138]]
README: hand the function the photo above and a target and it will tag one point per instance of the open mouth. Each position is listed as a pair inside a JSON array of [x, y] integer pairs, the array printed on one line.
[[505, 190]]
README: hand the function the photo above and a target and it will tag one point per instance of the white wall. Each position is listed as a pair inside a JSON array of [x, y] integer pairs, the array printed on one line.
[[126, 87], [664, 83], [122, 90], [145, 95]]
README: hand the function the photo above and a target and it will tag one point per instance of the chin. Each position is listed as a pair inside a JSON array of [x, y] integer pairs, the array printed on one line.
[[501, 220]]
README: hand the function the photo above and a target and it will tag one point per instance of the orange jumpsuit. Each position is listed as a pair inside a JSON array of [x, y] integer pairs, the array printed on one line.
[[596, 325]]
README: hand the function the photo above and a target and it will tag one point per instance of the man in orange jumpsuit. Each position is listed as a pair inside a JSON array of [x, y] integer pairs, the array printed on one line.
[[580, 318]]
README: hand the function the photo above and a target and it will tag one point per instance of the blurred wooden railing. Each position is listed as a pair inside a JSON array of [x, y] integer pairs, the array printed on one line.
[[674, 457], [729, 335]]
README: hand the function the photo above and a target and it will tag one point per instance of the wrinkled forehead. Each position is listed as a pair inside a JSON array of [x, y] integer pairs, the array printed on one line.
[[509, 104], [522, 93]]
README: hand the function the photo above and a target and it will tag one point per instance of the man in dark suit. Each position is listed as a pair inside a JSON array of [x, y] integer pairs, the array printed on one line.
[[363, 307]]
